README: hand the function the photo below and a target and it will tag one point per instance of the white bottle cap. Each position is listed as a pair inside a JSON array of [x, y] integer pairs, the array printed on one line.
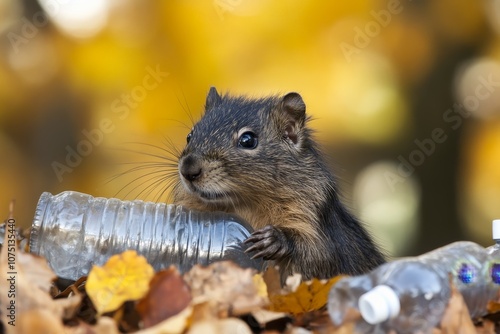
[[496, 229], [379, 304]]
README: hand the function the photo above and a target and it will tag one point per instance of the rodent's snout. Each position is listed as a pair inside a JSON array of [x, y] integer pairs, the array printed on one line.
[[190, 167]]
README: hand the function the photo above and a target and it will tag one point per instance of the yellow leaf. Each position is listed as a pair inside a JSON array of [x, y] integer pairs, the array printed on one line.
[[307, 296], [124, 277], [260, 284]]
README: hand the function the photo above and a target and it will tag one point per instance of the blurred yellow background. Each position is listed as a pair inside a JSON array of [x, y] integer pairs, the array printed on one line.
[[405, 97]]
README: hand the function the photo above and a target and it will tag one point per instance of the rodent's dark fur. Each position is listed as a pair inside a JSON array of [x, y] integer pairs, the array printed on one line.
[[282, 187]]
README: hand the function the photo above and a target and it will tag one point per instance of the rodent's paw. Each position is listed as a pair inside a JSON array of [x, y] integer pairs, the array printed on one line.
[[269, 242]]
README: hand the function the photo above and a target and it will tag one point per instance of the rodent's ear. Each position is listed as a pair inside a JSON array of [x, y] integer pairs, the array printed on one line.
[[294, 110], [213, 99], [293, 104]]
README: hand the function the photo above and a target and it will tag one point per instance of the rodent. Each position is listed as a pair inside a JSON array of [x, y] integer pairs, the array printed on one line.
[[256, 158]]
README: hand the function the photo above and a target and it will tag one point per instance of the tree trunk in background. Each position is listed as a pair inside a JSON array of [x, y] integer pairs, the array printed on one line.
[[439, 217]]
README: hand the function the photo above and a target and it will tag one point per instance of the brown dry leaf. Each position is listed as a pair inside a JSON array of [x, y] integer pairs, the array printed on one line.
[[226, 286], [202, 311], [220, 326], [104, 325], [263, 316], [297, 297], [320, 322], [26, 279], [176, 324], [38, 272], [37, 321], [487, 327], [272, 278], [70, 306], [167, 296], [77, 286], [493, 307], [456, 318], [124, 277]]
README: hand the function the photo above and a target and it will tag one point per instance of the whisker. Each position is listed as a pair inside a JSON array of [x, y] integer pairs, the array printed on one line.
[[155, 176], [173, 150], [162, 193], [183, 125], [170, 156], [127, 186], [158, 185], [149, 164], [148, 179], [185, 106], [155, 182], [172, 168]]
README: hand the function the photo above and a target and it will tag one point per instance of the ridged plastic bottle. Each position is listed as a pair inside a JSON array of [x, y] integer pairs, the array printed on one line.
[[494, 252], [343, 302], [73, 231], [472, 268], [411, 294], [407, 297]]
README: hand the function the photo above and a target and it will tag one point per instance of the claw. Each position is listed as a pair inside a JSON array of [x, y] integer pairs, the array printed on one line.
[[251, 249], [263, 255], [265, 243], [251, 239]]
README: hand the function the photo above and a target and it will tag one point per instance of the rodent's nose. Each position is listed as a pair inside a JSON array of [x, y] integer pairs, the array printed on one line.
[[190, 168]]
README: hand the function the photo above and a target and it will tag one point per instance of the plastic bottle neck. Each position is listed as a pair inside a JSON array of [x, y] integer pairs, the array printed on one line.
[[379, 304]]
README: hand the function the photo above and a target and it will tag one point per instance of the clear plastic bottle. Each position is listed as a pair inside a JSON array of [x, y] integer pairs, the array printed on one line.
[[343, 302], [73, 231], [411, 294], [408, 296], [494, 250], [471, 268]]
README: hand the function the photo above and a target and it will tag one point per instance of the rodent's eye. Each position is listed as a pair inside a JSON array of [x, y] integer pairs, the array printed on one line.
[[188, 138], [248, 140]]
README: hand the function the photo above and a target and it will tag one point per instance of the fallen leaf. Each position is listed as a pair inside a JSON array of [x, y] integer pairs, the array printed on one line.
[[487, 327], [26, 280], [297, 297], [456, 318], [104, 325], [320, 322], [260, 284], [39, 273], [176, 324], [220, 326], [168, 295], [79, 285], [263, 316], [70, 305], [124, 277], [493, 307], [202, 311], [229, 288], [37, 321]]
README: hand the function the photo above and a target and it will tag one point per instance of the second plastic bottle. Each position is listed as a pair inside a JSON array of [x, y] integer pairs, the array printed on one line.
[[411, 294]]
